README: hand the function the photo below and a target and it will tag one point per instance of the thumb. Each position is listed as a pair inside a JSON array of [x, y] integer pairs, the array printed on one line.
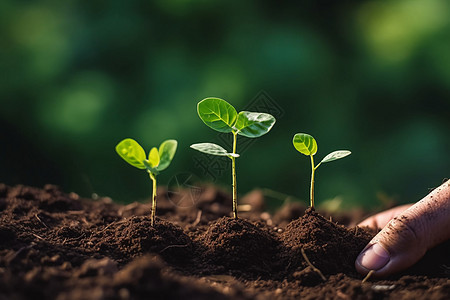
[[406, 238]]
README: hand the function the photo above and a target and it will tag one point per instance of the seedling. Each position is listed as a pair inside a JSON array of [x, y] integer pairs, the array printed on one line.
[[157, 161], [223, 117], [307, 145]]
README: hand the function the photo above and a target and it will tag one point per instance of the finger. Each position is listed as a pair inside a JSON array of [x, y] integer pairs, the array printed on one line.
[[380, 220], [406, 238]]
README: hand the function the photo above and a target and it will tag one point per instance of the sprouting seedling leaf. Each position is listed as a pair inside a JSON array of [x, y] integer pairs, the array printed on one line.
[[217, 114], [223, 117], [252, 125], [131, 152], [166, 153], [307, 145], [153, 158], [157, 160], [212, 149], [335, 155]]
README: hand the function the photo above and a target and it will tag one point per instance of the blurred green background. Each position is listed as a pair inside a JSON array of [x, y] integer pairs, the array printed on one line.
[[370, 76]]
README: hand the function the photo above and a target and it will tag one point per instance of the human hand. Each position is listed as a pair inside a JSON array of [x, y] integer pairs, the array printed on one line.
[[408, 231]]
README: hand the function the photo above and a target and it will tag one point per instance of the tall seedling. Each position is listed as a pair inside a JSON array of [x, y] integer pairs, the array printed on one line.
[[223, 117]]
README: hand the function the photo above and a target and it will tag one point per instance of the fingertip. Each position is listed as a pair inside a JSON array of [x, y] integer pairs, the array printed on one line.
[[380, 219], [374, 257], [369, 222]]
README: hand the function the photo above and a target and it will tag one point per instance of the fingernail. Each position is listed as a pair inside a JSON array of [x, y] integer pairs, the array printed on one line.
[[374, 258]]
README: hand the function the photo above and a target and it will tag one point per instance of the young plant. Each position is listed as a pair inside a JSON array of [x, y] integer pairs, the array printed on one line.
[[307, 145], [223, 117], [157, 161]]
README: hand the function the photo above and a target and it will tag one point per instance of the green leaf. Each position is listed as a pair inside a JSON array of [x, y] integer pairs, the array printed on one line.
[[166, 153], [305, 144], [336, 155], [131, 152], [212, 149], [253, 124], [153, 158], [217, 114]]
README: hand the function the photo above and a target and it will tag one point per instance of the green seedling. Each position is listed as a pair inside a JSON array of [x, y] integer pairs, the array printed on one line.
[[223, 117], [307, 145], [157, 161]]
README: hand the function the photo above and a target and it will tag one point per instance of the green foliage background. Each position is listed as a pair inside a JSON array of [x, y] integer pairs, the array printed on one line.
[[370, 76]]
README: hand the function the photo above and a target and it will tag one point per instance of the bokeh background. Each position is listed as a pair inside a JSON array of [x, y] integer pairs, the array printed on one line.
[[370, 76]]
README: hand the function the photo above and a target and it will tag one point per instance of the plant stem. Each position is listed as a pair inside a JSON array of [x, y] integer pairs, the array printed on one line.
[[313, 170], [152, 218], [233, 171]]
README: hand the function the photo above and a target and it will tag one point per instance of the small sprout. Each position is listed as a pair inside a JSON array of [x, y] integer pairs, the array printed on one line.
[[307, 145], [223, 117], [157, 161]]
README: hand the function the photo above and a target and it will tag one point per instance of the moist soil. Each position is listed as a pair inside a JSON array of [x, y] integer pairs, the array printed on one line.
[[56, 245]]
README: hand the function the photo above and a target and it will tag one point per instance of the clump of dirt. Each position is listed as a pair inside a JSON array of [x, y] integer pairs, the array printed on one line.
[[135, 237], [237, 244], [330, 247]]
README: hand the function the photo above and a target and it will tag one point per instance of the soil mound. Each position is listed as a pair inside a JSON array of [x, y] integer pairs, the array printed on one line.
[[135, 236], [330, 247], [238, 244]]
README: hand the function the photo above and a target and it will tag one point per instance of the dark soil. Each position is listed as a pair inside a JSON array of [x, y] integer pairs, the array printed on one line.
[[55, 245]]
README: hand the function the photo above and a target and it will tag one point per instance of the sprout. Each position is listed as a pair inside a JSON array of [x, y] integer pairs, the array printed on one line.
[[223, 117], [158, 160], [307, 145]]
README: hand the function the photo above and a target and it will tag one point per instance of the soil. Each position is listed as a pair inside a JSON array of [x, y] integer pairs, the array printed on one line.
[[55, 245]]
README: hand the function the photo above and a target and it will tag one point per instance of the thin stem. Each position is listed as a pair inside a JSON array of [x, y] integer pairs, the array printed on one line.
[[313, 170], [312, 266], [233, 166], [153, 178], [368, 276]]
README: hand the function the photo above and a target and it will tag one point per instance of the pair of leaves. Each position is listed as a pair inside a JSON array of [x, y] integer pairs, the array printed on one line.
[[158, 159], [307, 145], [223, 117]]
